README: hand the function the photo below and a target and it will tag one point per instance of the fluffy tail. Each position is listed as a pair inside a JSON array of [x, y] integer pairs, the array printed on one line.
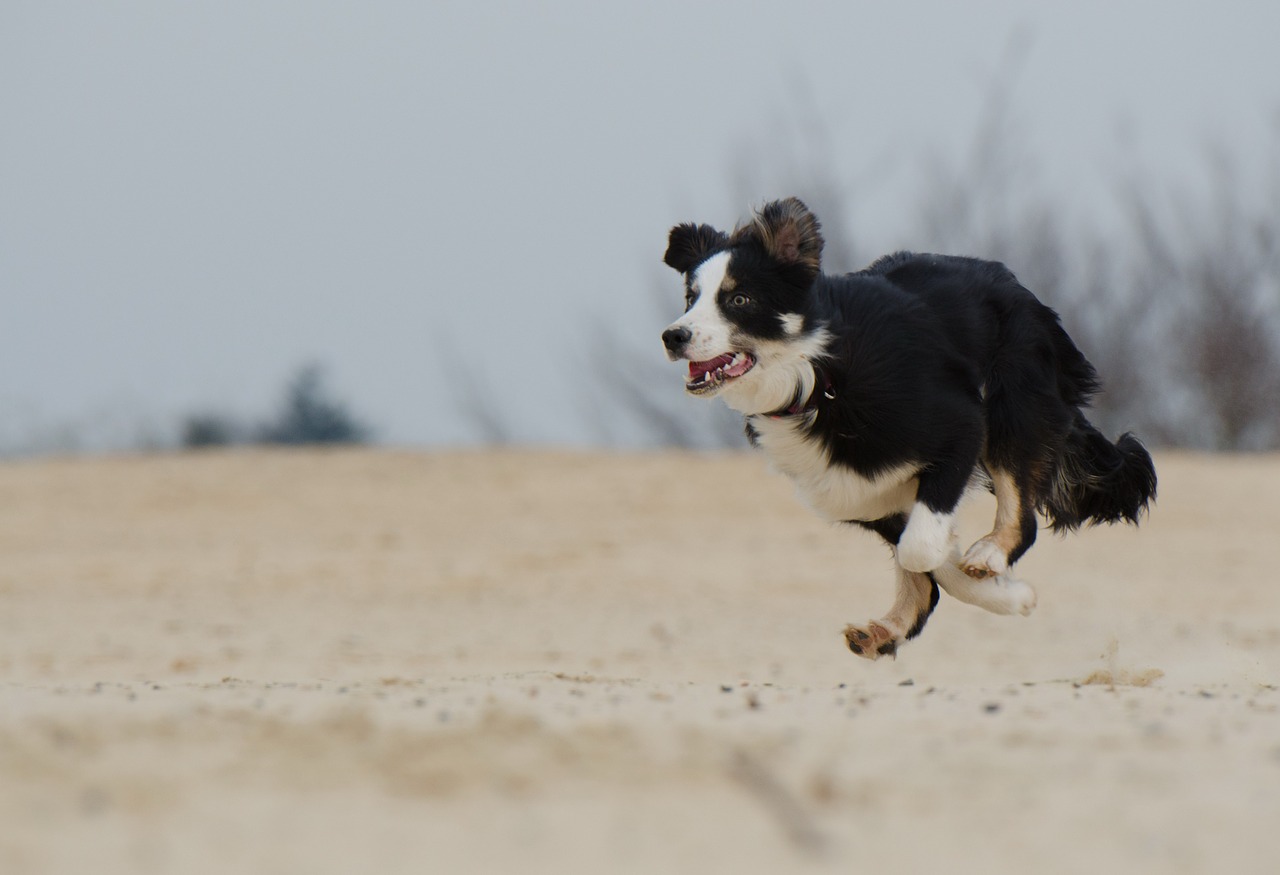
[[1097, 481]]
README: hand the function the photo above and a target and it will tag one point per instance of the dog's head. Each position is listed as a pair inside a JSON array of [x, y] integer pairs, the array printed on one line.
[[748, 329]]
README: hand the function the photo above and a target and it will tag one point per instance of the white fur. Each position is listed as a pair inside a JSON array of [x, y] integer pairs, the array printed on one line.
[[781, 368], [926, 542], [835, 492], [792, 323], [711, 332], [1000, 595]]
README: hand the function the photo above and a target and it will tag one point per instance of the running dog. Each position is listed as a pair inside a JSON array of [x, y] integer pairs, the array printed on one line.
[[887, 393]]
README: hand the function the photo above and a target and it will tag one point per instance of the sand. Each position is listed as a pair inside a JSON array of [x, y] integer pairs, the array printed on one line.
[[379, 661]]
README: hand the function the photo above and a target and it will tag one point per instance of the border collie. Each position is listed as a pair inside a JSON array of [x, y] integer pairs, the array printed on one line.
[[885, 394]]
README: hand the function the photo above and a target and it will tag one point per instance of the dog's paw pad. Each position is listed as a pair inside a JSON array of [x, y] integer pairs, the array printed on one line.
[[871, 641], [984, 560]]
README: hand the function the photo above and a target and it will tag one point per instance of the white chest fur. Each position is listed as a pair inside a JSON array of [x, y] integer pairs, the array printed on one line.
[[833, 491]]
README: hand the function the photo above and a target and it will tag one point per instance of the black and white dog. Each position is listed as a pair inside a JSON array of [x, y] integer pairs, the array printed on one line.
[[885, 394]]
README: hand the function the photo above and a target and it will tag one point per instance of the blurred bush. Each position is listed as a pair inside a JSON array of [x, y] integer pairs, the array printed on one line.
[[308, 414]]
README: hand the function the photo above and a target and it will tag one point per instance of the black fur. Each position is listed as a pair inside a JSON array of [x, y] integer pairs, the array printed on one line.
[[690, 244], [943, 362], [1099, 482], [943, 358]]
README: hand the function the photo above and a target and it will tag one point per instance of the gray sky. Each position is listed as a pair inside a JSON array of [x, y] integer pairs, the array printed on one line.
[[197, 198]]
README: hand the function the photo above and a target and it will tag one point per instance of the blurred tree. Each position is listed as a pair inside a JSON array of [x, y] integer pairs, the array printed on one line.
[[1180, 311], [1178, 307], [1209, 267], [310, 416]]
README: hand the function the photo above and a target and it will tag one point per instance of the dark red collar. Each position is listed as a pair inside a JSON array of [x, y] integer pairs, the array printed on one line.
[[822, 391]]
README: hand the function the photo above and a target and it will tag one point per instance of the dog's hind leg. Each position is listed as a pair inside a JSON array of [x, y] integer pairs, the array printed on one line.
[[917, 595], [999, 594], [1033, 387], [1013, 533]]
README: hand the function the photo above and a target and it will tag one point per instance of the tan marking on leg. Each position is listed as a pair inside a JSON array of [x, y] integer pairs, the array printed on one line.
[[883, 637], [989, 556]]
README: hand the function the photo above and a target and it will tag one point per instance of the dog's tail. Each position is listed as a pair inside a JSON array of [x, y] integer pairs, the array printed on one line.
[[1097, 481]]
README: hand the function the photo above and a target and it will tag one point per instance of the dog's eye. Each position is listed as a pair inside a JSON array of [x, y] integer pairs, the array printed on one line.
[[740, 300]]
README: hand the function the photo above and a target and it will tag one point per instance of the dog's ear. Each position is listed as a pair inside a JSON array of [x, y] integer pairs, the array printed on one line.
[[689, 245], [789, 233]]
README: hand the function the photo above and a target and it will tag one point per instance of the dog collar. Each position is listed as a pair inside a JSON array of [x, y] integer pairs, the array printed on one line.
[[822, 388]]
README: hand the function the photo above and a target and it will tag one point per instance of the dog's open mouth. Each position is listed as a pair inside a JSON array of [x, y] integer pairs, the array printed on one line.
[[713, 373]]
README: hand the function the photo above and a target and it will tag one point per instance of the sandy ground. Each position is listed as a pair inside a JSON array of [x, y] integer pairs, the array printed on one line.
[[370, 661]]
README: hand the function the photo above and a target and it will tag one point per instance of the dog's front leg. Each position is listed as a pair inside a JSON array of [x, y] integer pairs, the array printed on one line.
[[916, 598], [941, 482], [926, 542]]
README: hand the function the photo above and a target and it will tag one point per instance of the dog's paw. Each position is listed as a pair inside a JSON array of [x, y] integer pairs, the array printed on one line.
[[999, 595], [926, 542], [1019, 597], [871, 641], [985, 559]]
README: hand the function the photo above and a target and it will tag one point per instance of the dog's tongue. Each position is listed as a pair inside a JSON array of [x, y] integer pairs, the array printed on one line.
[[698, 369]]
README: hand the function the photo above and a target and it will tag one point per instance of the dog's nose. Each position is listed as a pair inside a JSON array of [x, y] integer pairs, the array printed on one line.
[[676, 339]]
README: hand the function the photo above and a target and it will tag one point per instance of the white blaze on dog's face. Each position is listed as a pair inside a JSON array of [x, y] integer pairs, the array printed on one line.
[[709, 329], [718, 353]]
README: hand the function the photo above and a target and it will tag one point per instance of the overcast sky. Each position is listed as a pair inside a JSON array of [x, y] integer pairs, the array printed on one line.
[[197, 198]]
